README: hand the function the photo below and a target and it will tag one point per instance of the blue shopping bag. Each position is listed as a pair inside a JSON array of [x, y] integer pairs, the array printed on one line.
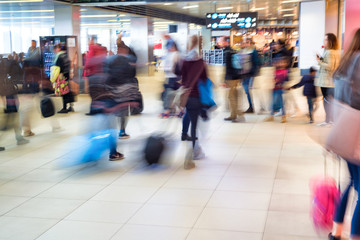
[[206, 93]]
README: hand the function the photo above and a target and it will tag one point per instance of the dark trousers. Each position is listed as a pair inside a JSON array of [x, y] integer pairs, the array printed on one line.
[[247, 84], [341, 208], [328, 94], [67, 98], [193, 108], [310, 101]]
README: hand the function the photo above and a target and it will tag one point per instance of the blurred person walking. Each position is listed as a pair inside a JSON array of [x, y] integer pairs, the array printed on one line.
[[347, 90], [328, 64], [8, 89], [171, 63], [309, 90], [232, 80], [193, 70], [251, 61]]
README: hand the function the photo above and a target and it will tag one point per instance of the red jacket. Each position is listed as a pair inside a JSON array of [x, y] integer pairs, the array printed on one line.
[[94, 60]]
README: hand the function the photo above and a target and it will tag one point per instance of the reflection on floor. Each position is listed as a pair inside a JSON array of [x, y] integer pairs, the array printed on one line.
[[252, 185]]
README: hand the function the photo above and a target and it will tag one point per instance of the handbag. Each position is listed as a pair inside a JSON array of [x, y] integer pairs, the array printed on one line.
[[344, 136], [206, 93], [8, 87], [182, 94], [61, 85]]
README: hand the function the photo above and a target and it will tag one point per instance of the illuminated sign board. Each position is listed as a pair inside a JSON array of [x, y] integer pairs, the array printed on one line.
[[236, 20]]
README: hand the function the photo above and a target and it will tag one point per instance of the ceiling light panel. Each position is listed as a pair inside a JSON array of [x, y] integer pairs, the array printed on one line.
[[193, 6], [27, 11], [225, 8], [21, 1]]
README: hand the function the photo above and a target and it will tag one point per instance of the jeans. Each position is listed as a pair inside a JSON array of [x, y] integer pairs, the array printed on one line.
[[341, 208], [278, 102], [328, 94], [247, 84], [186, 123], [233, 98], [193, 108], [310, 101]]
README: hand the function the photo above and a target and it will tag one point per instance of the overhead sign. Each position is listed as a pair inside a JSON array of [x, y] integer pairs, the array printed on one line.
[[236, 20]]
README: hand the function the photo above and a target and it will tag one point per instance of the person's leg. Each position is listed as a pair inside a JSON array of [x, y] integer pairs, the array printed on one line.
[[281, 99], [324, 92], [233, 99], [341, 207], [185, 127], [123, 122], [355, 222], [246, 85], [310, 105], [193, 107]]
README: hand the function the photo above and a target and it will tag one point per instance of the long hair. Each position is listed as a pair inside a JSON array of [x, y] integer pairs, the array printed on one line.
[[332, 41], [347, 58]]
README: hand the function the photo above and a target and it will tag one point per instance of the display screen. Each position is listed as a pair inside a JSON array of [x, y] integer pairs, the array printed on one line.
[[235, 20]]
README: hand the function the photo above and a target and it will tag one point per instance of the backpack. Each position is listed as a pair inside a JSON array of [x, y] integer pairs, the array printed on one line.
[[236, 61], [325, 196]]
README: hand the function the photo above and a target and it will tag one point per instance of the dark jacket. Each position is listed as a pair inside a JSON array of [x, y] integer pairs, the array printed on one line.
[[230, 72], [64, 63], [189, 70], [308, 82]]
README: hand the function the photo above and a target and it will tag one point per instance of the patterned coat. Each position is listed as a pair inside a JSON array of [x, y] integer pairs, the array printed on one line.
[[328, 65]]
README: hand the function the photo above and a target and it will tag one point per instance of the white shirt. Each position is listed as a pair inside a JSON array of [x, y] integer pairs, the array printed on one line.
[[169, 64]]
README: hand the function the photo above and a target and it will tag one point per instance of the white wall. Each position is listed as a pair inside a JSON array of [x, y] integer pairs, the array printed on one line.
[[311, 32]]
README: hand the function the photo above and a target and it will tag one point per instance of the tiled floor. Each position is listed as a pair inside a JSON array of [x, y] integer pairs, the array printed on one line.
[[253, 184]]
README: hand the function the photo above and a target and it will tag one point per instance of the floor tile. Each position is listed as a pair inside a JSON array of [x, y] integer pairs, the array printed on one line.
[[45, 208], [254, 171], [240, 200], [166, 215], [9, 203], [289, 237], [143, 179], [141, 232], [24, 189], [193, 182], [298, 203], [101, 211], [186, 197], [72, 191], [292, 186], [125, 194], [93, 176], [260, 185], [15, 228], [232, 220], [46, 175], [74, 230], [199, 234], [287, 223]]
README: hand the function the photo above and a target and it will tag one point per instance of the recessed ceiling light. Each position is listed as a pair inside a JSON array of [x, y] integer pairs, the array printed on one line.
[[168, 4], [225, 8], [20, 1], [289, 15], [27, 11], [38, 17], [192, 6], [97, 16]]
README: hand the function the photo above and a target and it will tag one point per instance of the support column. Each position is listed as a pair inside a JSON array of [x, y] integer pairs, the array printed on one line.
[[142, 44], [182, 37], [206, 34]]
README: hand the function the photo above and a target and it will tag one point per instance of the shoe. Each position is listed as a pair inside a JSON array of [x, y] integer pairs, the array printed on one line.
[[198, 153], [63, 111], [311, 121], [185, 137], [239, 119], [22, 141], [323, 124], [181, 114], [331, 237], [123, 135], [165, 115], [70, 109], [2, 149], [283, 119], [269, 119], [28, 134], [229, 118], [116, 157], [250, 110]]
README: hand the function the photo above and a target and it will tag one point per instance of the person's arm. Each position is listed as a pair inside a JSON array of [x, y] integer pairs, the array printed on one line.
[[329, 63], [300, 84]]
